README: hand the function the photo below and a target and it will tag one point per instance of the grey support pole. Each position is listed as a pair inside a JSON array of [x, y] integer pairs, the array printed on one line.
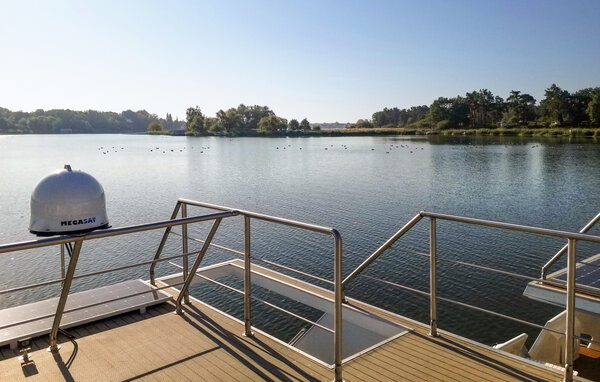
[[432, 278], [247, 280], [60, 308], [62, 261], [570, 305], [337, 316], [163, 241], [188, 280], [184, 238]]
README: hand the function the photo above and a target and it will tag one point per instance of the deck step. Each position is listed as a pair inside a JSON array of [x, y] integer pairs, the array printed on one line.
[[31, 320]]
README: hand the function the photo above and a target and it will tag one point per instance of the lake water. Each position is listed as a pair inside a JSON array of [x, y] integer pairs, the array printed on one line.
[[366, 187]]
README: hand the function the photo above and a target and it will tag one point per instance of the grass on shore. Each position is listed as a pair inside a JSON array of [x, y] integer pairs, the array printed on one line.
[[501, 131]]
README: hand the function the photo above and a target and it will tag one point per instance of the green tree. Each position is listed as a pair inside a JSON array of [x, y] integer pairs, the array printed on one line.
[[133, 121], [169, 122], [195, 121], [89, 121], [211, 125], [454, 112], [578, 104], [196, 126], [230, 121], [485, 110], [251, 115], [191, 112], [304, 125], [293, 125], [440, 109], [412, 115], [154, 128], [271, 124], [593, 107], [3, 125], [361, 124], [381, 118], [41, 124], [555, 106], [520, 108], [393, 116]]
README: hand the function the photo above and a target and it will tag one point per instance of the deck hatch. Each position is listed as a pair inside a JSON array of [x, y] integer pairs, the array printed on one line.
[[361, 330]]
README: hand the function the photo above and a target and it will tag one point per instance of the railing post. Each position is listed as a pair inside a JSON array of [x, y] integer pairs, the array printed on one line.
[[62, 301], [187, 281], [247, 280], [184, 238], [62, 261], [570, 304], [432, 279], [337, 316]]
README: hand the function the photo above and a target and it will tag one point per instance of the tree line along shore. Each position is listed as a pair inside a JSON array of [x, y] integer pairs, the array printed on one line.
[[477, 113]]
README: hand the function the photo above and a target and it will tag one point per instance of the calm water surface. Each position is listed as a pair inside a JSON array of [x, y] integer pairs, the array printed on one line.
[[366, 187]]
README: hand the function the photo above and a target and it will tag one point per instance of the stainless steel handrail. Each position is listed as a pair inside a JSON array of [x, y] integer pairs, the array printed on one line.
[[382, 249], [188, 279], [224, 248], [274, 219], [163, 241], [46, 242], [571, 267], [68, 276], [513, 227], [79, 239], [95, 273], [265, 302], [241, 254], [255, 215], [563, 250], [337, 260], [463, 304]]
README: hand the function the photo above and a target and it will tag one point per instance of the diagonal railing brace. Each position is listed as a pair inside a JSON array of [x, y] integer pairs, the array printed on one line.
[[188, 279]]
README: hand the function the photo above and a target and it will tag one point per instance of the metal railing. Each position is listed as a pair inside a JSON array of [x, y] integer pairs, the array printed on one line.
[[69, 276], [563, 250], [248, 216], [272, 263], [571, 237], [339, 284]]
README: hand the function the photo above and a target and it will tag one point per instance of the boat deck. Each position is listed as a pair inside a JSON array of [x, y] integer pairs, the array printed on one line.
[[204, 344], [587, 287], [587, 276]]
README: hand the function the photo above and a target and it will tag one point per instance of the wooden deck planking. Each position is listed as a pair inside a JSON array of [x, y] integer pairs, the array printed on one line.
[[205, 345], [487, 361], [392, 360], [422, 355]]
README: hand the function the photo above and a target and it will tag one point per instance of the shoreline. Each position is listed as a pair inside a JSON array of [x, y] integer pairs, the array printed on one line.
[[515, 132], [562, 132]]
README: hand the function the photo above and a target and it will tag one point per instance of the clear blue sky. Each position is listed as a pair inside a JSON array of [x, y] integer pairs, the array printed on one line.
[[324, 60]]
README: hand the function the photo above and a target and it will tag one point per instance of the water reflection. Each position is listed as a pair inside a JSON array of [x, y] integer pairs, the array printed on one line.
[[366, 187]]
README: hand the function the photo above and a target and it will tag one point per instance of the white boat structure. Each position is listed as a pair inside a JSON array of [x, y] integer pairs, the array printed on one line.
[[126, 331]]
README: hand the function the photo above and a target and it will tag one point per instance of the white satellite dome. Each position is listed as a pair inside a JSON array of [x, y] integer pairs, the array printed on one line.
[[67, 202]]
